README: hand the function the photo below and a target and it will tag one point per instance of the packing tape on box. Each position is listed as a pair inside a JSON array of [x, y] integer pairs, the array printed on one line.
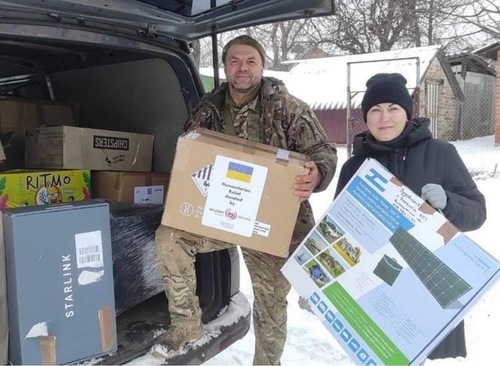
[[136, 155], [447, 231], [48, 350], [107, 329], [118, 179]]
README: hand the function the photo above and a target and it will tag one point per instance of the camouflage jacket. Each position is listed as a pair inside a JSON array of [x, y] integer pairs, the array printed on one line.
[[285, 122]]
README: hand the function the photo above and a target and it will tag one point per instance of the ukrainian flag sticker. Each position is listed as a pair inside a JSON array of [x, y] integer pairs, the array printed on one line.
[[240, 172]]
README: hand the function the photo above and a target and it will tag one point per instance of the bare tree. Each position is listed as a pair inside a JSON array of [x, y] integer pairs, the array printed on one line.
[[444, 22], [284, 40], [367, 26], [362, 26], [484, 15]]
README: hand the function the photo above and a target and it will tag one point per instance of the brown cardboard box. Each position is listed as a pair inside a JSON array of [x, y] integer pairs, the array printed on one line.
[[20, 114], [121, 186], [67, 147], [250, 201], [17, 115]]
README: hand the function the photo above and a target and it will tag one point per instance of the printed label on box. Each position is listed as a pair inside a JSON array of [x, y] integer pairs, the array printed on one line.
[[89, 249], [148, 194], [235, 193], [202, 179], [261, 229]]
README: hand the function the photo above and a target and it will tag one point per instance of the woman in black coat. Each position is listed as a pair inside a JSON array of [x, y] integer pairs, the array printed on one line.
[[430, 167]]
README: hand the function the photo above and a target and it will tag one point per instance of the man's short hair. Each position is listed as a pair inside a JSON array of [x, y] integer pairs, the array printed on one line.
[[245, 41]]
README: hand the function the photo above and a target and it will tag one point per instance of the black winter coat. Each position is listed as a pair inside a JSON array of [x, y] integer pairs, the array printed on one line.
[[418, 159]]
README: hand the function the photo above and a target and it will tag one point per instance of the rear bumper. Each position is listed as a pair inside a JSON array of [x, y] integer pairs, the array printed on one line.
[[230, 326], [138, 328]]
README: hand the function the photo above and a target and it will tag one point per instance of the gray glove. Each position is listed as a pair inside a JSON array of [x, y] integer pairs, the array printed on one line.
[[435, 195], [304, 304]]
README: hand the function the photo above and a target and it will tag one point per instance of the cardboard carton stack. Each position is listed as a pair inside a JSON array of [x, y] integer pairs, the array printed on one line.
[[120, 161], [49, 160]]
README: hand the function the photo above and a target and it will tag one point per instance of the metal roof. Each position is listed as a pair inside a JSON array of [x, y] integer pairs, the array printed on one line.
[[471, 62], [489, 51]]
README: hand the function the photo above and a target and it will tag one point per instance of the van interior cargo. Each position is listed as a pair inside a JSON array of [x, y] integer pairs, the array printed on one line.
[[111, 89], [149, 91]]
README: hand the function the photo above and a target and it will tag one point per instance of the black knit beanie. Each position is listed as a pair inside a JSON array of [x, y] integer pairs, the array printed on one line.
[[387, 88]]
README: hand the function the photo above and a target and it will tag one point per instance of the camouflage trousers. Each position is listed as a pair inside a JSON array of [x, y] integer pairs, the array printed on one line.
[[177, 250]]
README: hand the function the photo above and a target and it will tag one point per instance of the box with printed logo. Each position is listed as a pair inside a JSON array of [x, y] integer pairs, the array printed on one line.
[[234, 190], [130, 187], [19, 188], [59, 271], [67, 147]]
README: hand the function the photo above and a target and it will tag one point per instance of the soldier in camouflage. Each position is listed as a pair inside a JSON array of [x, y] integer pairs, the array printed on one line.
[[260, 109]]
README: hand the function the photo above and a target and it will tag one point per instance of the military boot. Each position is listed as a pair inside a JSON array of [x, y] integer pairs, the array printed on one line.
[[178, 335]]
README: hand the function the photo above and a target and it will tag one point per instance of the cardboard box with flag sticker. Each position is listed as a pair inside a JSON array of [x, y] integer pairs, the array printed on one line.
[[234, 190]]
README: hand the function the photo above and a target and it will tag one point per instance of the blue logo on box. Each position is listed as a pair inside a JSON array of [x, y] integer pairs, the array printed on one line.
[[362, 355], [337, 325], [314, 298], [329, 316], [345, 335], [322, 307], [354, 345]]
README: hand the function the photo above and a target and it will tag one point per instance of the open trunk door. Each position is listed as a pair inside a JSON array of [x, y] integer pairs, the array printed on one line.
[[181, 19]]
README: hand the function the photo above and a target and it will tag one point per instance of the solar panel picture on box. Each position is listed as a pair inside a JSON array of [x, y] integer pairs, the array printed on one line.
[[388, 275]]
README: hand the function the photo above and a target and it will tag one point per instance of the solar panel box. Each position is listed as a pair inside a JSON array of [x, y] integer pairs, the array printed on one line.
[[234, 190], [59, 283]]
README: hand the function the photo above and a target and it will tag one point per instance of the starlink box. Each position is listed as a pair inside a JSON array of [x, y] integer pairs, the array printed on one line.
[[59, 283], [234, 190]]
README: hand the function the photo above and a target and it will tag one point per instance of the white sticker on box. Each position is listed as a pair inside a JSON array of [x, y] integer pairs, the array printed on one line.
[[235, 193], [282, 154], [261, 229], [88, 277], [148, 194], [38, 330], [202, 179], [191, 135], [89, 249]]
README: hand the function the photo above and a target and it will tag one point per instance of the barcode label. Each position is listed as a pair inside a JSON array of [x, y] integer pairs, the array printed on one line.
[[89, 250]]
